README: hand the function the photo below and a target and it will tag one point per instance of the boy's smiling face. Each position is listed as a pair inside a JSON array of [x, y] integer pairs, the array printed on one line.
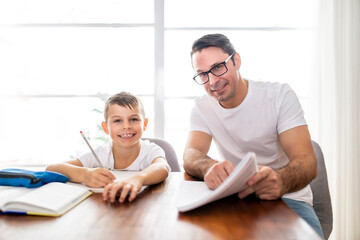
[[125, 125]]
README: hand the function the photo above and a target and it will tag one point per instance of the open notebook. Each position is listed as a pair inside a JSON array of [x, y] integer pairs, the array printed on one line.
[[194, 194], [53, 199]]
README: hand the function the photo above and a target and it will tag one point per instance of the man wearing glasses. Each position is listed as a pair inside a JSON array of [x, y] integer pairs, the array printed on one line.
[[242, 116]]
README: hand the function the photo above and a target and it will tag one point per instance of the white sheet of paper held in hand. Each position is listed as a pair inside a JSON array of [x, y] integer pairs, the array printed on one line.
[[194, 194]]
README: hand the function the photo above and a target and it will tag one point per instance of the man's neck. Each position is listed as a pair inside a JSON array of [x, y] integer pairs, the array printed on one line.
[[240, 95]]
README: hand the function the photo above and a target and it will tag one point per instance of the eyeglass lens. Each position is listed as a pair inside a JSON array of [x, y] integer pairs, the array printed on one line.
[[217, 70]]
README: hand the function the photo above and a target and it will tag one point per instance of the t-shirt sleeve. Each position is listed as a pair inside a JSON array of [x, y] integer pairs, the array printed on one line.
[[152, 151], [290, 112], [197, 122], [88, 160]]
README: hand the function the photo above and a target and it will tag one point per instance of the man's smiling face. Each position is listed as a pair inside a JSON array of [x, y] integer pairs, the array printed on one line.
[[224, 87]]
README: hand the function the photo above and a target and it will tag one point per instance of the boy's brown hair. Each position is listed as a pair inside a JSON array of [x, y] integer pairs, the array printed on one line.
[[124, 99]]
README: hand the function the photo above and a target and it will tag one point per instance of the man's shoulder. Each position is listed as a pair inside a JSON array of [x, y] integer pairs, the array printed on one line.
[[269, 86], [202, 99], [205, 103], [273, 90]]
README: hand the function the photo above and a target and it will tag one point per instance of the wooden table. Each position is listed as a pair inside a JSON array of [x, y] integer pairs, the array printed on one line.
[[153, 215]]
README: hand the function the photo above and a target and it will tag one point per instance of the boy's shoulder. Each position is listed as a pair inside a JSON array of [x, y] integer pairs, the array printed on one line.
[[147, 146], [146, 143], [104, 148]]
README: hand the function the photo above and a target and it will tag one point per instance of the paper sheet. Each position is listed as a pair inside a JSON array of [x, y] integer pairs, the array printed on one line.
[[194, 194]]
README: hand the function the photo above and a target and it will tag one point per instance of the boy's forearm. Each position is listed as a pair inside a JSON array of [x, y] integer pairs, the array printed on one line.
[[74, 173], [155, 173]]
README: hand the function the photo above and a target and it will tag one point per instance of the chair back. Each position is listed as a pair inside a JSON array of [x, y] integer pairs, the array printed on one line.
[[170, 154], [321, 194]]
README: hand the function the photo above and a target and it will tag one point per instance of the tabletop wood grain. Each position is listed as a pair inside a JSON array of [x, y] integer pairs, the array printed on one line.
[[153, 215]]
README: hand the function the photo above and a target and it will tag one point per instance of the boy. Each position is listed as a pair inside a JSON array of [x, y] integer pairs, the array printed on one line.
[[125, 122]]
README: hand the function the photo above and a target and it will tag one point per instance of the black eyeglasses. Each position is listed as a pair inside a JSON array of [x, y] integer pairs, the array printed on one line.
[[217, 70]]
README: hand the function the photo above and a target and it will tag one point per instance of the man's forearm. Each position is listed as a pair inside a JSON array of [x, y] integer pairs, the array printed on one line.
[[298, 173], [197, 163]]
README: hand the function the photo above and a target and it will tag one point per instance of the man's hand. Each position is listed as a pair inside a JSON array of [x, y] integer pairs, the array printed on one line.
[[217, 174], [266, 184]]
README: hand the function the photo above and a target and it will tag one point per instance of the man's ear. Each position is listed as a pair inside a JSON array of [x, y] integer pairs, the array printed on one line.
[[146, 120], [105, 127], [237, 60]]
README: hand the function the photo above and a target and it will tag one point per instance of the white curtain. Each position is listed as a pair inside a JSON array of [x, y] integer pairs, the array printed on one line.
[[339, 110]]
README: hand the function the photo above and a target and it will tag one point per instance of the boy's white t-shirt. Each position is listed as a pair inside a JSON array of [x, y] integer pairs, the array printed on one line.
[[267, 110], [148, 152]]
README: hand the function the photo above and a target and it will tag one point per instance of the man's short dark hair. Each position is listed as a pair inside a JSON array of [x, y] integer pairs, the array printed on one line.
[[213, 40]]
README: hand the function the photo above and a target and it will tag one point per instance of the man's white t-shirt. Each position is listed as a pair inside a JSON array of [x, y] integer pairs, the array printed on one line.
[[267, 110], [148, 152]]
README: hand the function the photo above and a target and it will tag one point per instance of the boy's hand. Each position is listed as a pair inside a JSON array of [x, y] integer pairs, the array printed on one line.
[[98, 177], [130, 186]]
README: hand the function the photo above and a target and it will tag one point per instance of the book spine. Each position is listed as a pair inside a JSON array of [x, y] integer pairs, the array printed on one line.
[[13, 212]]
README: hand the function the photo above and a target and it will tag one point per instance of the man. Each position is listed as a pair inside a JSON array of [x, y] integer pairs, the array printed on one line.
[[242, 116]]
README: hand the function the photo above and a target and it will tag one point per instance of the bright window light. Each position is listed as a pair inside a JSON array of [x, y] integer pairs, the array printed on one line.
[[61, 59]]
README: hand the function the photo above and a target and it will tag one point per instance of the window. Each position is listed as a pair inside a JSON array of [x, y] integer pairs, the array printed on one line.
[[61, 59]]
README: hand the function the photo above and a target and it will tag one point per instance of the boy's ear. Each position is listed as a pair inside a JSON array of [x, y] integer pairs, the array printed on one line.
[[105, 127], [146, 120]]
